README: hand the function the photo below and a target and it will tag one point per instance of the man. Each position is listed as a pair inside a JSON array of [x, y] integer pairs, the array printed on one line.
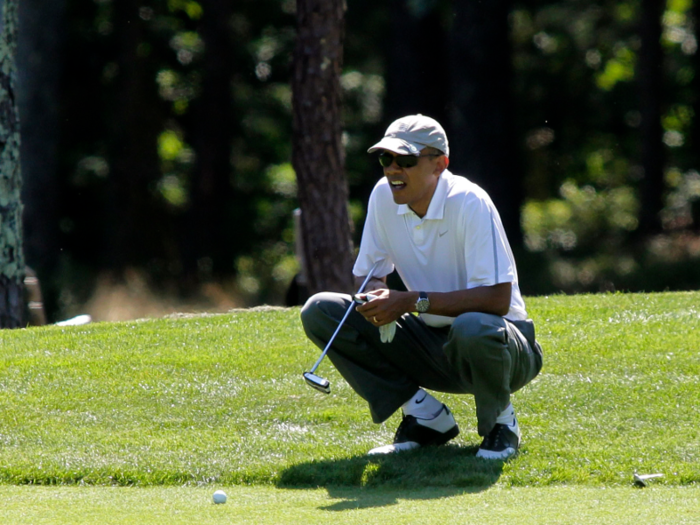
[[444, 237]]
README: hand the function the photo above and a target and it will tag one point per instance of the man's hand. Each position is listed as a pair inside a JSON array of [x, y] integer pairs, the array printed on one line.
[[387, 305]]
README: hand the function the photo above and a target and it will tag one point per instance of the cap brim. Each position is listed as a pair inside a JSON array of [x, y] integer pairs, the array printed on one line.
[[395, 145]]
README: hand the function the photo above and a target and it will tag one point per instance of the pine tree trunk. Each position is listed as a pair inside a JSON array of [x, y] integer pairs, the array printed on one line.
[[11, 255], [39, 64], [412, 65], [210, 242], [318, 155], [138, 231], [650, 75], [482, 134], [695, 130]]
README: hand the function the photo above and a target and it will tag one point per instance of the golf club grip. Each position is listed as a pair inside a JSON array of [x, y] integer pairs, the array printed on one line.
[[347, 312]]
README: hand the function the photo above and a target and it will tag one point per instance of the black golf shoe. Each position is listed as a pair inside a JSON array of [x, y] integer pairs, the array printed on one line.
[[501, 443], [414, 432]]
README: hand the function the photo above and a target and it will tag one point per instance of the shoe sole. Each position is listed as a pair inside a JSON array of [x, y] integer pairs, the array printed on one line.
[[394, 448], [490, 454], [440, 440]]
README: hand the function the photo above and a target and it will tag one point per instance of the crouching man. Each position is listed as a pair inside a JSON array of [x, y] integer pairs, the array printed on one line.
[[471, 334]]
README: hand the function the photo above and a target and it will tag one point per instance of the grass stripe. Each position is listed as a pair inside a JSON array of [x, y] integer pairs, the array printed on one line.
[[349, 506]]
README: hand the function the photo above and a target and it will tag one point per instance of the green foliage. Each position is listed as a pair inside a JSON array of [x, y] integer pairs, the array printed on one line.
[[582, 156], [220, 400], [620, 68], [191, 8], [580, 217]]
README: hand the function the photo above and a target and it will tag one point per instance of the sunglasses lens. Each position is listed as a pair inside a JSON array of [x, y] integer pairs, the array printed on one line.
[[385, 159], [407, 161], [402, 161]]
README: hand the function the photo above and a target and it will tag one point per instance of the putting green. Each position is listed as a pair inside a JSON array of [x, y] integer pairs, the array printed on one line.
[[248, 505]]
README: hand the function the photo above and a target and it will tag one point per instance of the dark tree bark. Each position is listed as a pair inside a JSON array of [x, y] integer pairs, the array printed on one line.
[[137, 227], [649, 78], [695, 89], [417, 62], [11, 254], [317, 152], [39, 64], [210, 193], [482, 137]]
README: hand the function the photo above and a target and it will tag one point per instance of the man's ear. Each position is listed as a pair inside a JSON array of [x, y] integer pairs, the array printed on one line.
[[441, 164]]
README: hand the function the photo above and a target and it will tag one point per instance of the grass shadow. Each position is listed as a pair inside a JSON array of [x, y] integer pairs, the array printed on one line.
[[430, 473]]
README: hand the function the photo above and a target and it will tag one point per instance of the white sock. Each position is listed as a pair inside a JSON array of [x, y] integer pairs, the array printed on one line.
[[422, 405], [507, 417]]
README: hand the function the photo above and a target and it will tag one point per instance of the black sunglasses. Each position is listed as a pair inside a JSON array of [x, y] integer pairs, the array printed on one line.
[[402, 161]]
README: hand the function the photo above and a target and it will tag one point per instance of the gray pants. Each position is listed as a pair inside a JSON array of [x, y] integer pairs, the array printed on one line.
[[480, 354]]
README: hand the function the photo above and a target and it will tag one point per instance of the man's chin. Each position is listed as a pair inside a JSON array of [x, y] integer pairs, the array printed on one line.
[[398, 198]]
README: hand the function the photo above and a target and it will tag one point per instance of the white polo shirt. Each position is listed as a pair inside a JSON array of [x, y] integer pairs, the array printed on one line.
[[459, 244]]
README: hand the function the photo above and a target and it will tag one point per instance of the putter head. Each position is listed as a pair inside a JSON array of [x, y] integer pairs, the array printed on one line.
[[320, 384], [641, 479]]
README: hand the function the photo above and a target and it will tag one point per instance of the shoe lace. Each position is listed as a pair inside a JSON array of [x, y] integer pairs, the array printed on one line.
[[402, 426], [494, 437]]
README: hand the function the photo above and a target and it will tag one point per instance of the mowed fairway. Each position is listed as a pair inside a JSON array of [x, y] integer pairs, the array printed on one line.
[[356, 506], [148, 418]]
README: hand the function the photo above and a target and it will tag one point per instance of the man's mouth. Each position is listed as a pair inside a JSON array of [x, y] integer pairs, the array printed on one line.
[[397, 184]]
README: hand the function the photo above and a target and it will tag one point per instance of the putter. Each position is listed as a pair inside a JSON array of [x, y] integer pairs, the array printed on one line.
[[317, 382]]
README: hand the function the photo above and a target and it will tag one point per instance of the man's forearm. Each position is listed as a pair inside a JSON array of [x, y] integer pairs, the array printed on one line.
[[488, 299], [392, 304]]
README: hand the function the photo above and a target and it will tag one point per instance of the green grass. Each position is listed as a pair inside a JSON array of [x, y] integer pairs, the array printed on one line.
[[346, 505], [219, 400]]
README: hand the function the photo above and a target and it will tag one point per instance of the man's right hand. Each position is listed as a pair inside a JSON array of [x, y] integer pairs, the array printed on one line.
[[387, 305]]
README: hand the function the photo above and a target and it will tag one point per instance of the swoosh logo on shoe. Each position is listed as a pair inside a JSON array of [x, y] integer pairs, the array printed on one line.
[[423, 399], [443, 233]]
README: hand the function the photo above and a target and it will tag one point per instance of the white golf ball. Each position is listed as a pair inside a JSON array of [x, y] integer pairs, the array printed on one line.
[[219, 496]]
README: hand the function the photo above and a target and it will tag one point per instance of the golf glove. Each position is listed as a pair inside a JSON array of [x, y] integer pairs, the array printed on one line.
[[387, 332]]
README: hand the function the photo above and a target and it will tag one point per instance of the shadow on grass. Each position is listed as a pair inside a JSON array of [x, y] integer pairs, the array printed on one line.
[[428, 473]]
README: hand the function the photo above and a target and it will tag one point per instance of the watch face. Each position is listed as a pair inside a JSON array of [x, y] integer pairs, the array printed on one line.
[[422, 305]]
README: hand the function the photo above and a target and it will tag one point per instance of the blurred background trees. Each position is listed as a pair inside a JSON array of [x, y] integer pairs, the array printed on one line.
[[157, 137]]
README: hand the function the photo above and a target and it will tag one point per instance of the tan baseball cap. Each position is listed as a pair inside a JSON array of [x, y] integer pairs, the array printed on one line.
[[409, 135]]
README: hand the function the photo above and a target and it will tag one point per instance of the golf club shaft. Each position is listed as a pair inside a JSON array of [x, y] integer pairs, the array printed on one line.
[[347, 312]]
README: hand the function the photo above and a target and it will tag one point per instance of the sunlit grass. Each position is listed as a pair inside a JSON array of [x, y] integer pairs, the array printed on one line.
[[219, 399], [349, 505]]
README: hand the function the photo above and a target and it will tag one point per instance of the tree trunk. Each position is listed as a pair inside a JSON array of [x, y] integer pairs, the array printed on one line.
[[482, 131], [210, 241], [695, 131], [317, 151], [138, 232], [11, 255], [413, 83], [649, 77], [39, 65]]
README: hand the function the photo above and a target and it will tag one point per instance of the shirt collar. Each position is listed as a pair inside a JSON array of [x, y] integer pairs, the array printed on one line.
[[436, 208]]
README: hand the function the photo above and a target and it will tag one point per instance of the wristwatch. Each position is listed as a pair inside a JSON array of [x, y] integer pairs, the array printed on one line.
[[423, 303]]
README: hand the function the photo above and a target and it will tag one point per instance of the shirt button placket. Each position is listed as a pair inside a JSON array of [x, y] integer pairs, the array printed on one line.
[[418, 234]]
